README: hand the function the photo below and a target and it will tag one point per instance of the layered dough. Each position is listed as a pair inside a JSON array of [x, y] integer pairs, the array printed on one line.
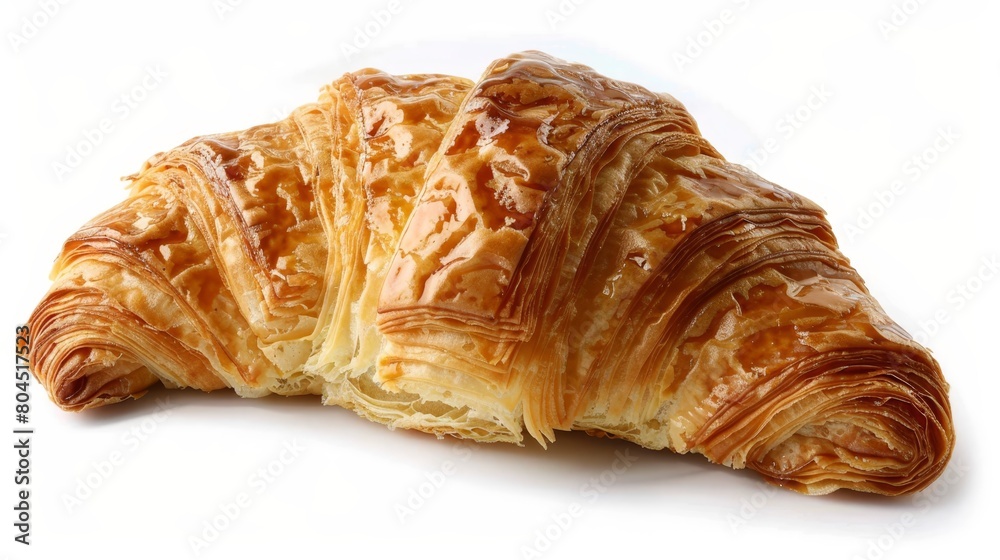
[[545, 249]]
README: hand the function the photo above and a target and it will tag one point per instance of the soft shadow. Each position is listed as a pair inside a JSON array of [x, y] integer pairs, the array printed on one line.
[[574, 455], [159, 397]]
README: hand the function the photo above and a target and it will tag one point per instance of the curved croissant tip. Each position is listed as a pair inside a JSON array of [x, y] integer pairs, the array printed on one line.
[[901, 474], [891, 452], [77, 385], [876, 420], [78, 369]]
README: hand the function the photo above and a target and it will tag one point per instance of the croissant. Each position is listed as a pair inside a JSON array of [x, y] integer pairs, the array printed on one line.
[[545, 249]]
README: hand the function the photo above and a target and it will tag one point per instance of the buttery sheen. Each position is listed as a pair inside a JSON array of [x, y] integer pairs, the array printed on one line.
[[546, 249]]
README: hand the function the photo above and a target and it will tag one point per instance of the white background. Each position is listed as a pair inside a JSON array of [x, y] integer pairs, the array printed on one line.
[[890, 90]]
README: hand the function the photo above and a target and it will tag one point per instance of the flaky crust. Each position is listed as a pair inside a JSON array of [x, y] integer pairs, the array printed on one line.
[[546, 249]]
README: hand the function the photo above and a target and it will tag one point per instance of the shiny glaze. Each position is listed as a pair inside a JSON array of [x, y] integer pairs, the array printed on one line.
[[545, 249]]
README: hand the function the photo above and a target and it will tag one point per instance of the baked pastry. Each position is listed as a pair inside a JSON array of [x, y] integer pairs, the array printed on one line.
[[546, 249]]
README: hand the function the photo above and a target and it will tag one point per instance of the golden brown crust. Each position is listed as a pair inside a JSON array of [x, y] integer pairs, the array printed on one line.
[[545, 249]]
